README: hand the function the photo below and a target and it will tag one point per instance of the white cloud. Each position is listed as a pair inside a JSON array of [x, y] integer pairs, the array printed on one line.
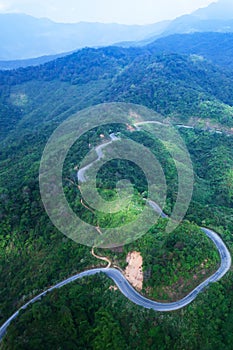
[[4, 6], [122, 11]]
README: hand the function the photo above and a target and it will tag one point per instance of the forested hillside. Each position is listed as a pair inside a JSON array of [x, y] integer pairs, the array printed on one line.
[[179, 87], [213, 46], [184, 89]]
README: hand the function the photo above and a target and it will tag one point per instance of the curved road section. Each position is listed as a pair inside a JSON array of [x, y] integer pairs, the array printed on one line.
[[81, 173], [121, 281], [132, 294]]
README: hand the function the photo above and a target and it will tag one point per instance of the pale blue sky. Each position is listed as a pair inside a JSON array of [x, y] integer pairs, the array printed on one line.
[[120, 11]]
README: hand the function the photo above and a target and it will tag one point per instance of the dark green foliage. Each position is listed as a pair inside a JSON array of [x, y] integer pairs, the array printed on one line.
[[33, 255], [78, 68], [174, 263], [215, 47], [88, 315], [177, 86]]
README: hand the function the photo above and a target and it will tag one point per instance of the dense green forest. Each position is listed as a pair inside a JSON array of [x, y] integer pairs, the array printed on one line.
[[88, 315], [34, 255], [212, 46]]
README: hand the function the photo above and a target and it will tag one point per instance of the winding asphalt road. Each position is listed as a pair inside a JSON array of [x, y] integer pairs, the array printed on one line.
[[124, 285], [98, 150], [132, 294]]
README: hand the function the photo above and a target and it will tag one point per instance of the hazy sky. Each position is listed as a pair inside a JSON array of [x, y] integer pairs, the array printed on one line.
[[121, 11]]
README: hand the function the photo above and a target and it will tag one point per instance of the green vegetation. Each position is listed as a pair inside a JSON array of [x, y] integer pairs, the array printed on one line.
[[33, 255], [177, 87], [214, 47], [174, 263], [88, 315]]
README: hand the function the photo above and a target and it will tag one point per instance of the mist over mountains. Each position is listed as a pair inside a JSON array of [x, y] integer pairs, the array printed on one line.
[[24, 37], [217, 17], [222, 9]]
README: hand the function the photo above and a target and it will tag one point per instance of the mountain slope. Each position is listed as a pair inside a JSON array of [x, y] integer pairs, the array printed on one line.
[[7, 65], [179, 87], [217, 17], [191, 24], [34, 255], [35, 95], [221, 9], [215, 47]]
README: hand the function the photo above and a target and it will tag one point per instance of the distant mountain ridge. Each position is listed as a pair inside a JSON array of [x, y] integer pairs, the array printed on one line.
[[15, 64], [23, 36], [217, 17], [221, 9]]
